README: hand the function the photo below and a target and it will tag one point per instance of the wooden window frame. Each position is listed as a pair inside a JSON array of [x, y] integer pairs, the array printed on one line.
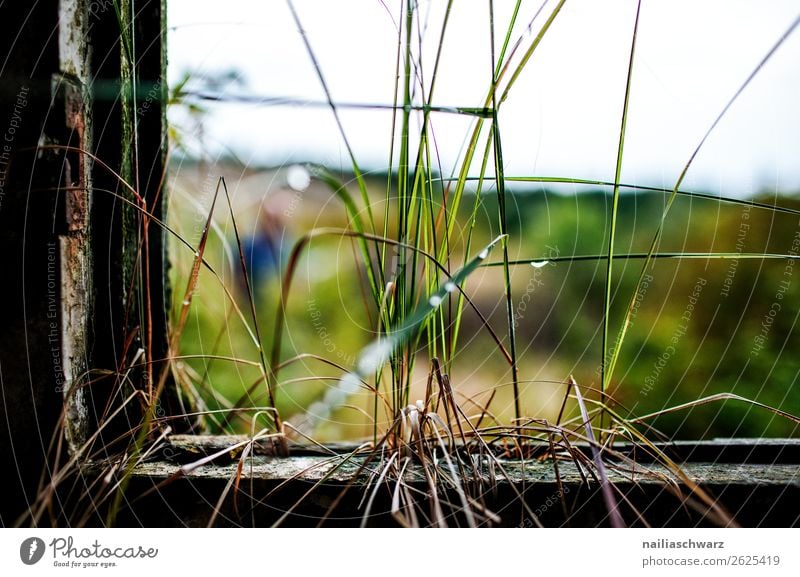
[[85, 113]]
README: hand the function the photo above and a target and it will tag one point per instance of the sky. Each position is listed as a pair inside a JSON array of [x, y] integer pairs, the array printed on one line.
[[563, 115]]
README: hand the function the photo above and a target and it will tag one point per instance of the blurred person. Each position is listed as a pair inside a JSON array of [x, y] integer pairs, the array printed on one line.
[[269, 241], [265, 249]]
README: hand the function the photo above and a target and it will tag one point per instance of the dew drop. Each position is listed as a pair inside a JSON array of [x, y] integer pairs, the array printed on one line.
[[435, 301], [374, 356], [350, 383], [484, 253], [318, 410], [335, 397], [540, 263], [449, 286]]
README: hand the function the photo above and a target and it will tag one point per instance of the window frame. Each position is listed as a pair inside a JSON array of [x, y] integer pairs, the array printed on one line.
[[98, 236]]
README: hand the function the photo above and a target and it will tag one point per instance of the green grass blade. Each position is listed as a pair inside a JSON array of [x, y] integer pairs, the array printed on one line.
[[501, 207], [356, 169], [531, 49], [638, 187], [604, 379], [379, 351], [539, 261], [673, 195]]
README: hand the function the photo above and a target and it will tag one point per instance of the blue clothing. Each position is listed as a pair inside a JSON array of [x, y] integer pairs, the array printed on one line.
[[262, 255]]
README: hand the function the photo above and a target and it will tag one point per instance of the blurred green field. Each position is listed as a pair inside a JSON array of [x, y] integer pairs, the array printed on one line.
[[700, 326]]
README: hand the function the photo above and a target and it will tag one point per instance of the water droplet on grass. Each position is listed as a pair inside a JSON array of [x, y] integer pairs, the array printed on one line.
[[484, 253], [334, 397], [435, 301], [350, 383], [449, 287], [539, 263], [374, 356], [318, 410]]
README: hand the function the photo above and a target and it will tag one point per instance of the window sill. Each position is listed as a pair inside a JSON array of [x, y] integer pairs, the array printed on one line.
[[756, 480]]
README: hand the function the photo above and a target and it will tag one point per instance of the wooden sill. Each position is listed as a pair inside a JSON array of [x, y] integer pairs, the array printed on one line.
[[757, 481]]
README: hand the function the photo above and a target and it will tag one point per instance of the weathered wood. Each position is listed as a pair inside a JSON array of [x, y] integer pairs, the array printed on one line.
[[75, 244], [128, 92], [78, 295], [736, 451], [340, 469], [171, 490]]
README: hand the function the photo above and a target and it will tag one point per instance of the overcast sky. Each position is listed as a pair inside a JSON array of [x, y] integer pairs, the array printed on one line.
[[563, 115]]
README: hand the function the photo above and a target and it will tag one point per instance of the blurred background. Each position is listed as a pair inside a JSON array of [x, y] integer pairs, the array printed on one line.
[[247, 105]]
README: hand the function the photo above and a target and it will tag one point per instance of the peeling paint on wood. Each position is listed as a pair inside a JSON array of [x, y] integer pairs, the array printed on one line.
[[75, 243]]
